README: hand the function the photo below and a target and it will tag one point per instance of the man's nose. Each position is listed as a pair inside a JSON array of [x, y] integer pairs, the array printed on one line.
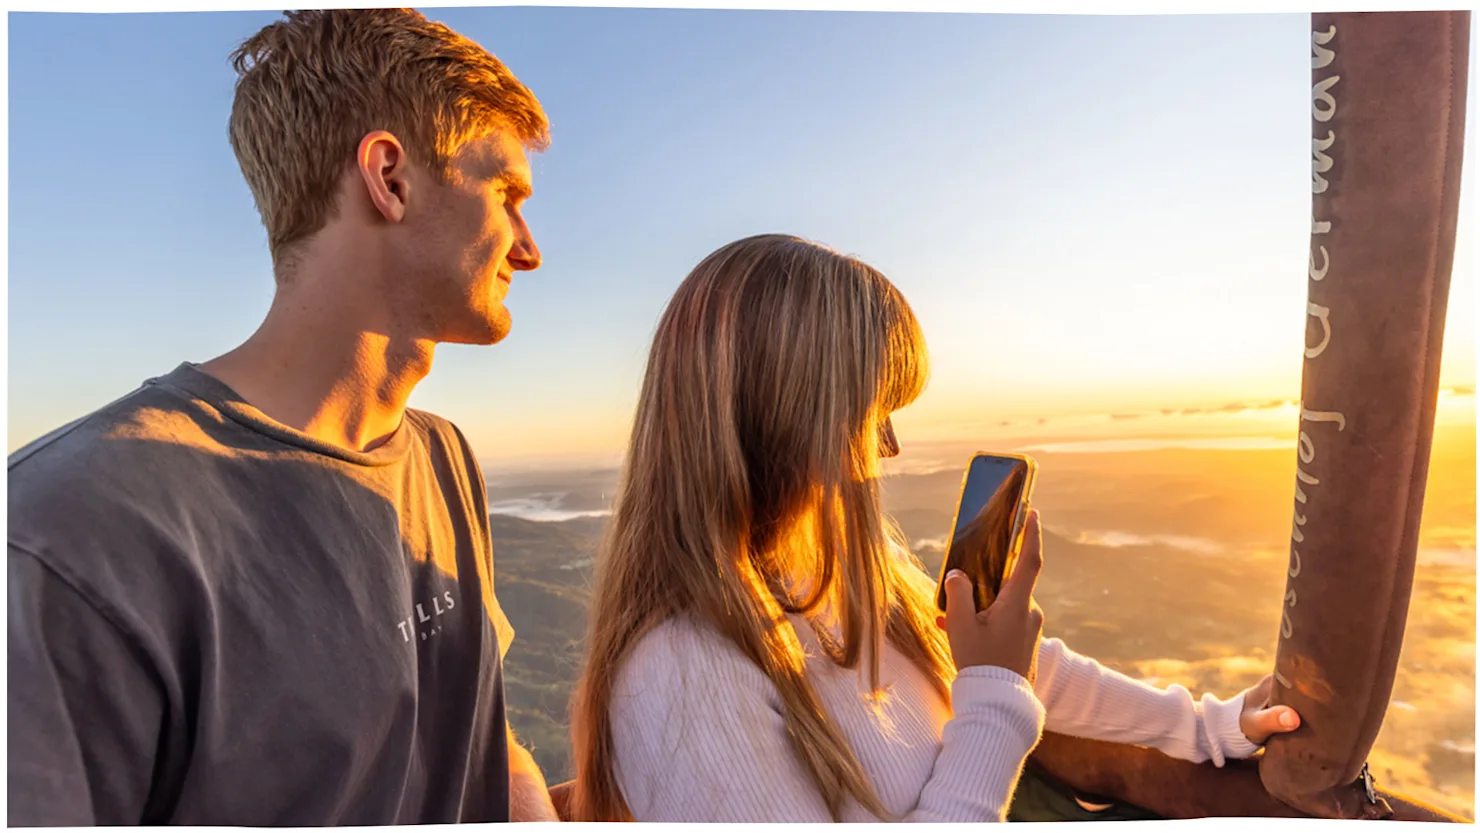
[[524, 256]]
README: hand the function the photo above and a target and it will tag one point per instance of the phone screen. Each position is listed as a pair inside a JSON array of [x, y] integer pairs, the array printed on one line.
[[988, 524]]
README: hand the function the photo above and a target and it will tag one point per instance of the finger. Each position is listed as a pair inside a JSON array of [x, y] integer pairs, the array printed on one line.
[[960, 603], [1018, 588], [1259, 725], [1288, 719]]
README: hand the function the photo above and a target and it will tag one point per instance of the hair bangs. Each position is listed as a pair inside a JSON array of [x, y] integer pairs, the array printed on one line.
[[906, 369]]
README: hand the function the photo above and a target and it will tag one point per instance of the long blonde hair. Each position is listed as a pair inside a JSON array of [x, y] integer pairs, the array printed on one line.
[[754, 455]]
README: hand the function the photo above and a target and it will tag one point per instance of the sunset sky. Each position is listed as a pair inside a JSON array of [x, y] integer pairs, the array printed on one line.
[[1092, 216]]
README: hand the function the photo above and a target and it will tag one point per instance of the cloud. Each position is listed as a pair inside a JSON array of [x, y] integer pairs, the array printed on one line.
[[1452, 536], [1161, 444], [1447, 556], [1120, 417], [897, 466], [1115, 539], [1224, 676], [1231, 408], [542, 508]]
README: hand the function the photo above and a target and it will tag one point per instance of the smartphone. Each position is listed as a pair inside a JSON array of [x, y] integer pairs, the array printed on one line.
[[987, 532]]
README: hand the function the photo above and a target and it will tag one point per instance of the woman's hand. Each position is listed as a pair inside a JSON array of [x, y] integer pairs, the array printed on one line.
[[1006, 634], [1259, 720]]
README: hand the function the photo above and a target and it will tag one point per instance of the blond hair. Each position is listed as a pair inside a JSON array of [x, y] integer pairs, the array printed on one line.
[[311, 86], [754, 458]]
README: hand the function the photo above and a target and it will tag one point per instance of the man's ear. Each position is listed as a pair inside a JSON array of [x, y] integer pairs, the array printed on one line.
[[384, 167]]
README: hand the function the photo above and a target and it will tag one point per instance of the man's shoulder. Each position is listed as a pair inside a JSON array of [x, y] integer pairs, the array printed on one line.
[[441, 433], [143, 448], [122, 428], [440, 426]]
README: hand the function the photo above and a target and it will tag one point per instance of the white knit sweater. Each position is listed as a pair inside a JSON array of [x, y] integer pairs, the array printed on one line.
[[699, 737]]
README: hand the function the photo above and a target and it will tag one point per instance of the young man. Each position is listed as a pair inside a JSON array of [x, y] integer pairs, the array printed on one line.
[[259, 590]]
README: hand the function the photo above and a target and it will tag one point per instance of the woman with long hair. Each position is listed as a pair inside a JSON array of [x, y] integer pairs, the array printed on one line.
[[761, 645]]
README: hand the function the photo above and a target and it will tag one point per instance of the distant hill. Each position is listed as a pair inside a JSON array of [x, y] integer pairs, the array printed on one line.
[[542, 577]]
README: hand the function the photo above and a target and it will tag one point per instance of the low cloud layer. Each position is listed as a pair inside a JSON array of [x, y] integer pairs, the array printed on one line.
[[1161, 444], [542, 508]]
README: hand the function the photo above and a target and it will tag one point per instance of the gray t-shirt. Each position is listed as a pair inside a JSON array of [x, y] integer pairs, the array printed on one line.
[[215, 619]]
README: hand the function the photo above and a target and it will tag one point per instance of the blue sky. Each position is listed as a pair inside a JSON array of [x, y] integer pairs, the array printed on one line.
[[1089, 214]]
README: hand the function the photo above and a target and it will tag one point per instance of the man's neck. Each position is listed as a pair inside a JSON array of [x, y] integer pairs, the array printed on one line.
[[312, 368]]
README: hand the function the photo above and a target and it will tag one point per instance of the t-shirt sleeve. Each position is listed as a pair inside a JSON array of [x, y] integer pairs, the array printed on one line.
[[478, 490], [501, 626], [85, 711]]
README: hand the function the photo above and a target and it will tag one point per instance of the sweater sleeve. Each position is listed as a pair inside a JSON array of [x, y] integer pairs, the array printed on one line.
[[699, 737], [1086, 699]]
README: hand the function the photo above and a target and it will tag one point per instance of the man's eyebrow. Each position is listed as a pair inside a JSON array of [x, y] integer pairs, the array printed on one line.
[[515, 184]]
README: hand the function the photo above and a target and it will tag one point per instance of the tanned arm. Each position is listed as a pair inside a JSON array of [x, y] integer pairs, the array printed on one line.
[[529, 798]]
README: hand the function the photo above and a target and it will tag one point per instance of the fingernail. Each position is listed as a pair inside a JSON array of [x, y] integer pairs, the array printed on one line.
[[1288, 720], [954, 573]]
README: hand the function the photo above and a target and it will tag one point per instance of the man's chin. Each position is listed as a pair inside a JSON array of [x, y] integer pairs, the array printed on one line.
[[488, 331]]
